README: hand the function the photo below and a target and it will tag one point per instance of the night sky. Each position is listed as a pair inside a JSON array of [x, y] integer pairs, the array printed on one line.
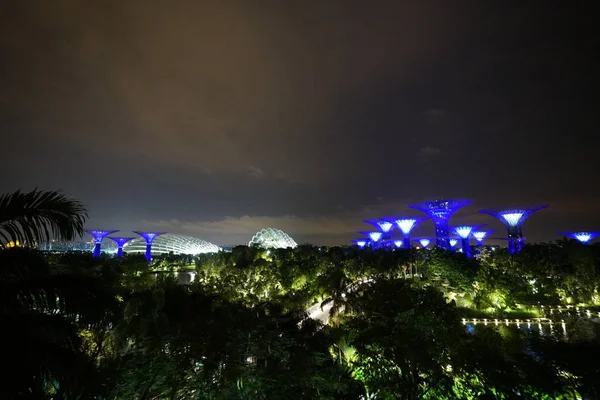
[[220, 118]]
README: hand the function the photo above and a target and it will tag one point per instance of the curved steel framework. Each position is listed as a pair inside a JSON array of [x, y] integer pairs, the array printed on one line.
[[440, 211], [583, 237], [270, 238], [98, 236], [170, 243], [513, 219], [120, 241]]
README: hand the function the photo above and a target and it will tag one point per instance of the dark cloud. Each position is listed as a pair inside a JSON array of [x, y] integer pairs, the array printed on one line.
[[199, 111]]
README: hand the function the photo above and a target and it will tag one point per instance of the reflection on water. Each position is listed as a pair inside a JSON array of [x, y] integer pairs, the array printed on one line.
[[544, 326]]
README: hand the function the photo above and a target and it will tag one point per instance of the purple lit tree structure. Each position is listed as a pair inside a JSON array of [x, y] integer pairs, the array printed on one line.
[[480, 235], [398, 243], [583, 237], [360, 242], [149, 238], [453, 243], [513, 219], [406, 225], [464, 232], [98, 236], [440, 211], [374, 236], [424, 242], [120, 241], [384, 226]]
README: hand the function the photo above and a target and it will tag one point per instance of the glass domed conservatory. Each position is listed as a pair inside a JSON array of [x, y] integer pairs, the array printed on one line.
[[167, 243], [270, 238]]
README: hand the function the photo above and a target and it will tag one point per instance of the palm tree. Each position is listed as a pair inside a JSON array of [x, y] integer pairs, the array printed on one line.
[[42, 312], [38, 216]]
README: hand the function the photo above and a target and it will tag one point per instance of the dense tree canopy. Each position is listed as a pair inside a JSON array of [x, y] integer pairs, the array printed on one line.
[[392, 323]]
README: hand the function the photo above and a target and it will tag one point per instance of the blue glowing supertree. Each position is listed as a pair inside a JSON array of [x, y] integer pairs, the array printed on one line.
[[149, 238], [424, 242], [360, 242], [453, 243], [384, 226], [98, 236], [464, 232], [120, 241], [440, 211], [406, 225], [513, 219], [480, 235], [398, 243], [583, 237]]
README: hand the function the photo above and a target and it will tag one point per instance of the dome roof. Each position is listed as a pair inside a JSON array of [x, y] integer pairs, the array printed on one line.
[[178, 244], [270, 238]]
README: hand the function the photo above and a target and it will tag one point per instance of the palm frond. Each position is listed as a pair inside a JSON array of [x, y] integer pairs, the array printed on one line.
[[39, 216]]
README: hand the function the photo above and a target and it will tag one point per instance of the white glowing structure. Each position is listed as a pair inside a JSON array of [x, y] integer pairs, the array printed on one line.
[[424, 242], [398, 243], [375, 236], [582, 237], [463, 231], [453, 242], [177, 244], [385, 226], [406, 225], [270, 238], [512, 218]]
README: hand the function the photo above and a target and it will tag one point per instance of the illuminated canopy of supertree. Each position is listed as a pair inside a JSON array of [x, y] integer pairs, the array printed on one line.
[[440, 211], [149, 238], [98, 236], [360, 242], [583, 237], [374, 236], [513, 219], [480, 235], [453, 243], [120, 241], [464, 232], [406, 225], [385, 227], [399, 243], [424, 242]]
